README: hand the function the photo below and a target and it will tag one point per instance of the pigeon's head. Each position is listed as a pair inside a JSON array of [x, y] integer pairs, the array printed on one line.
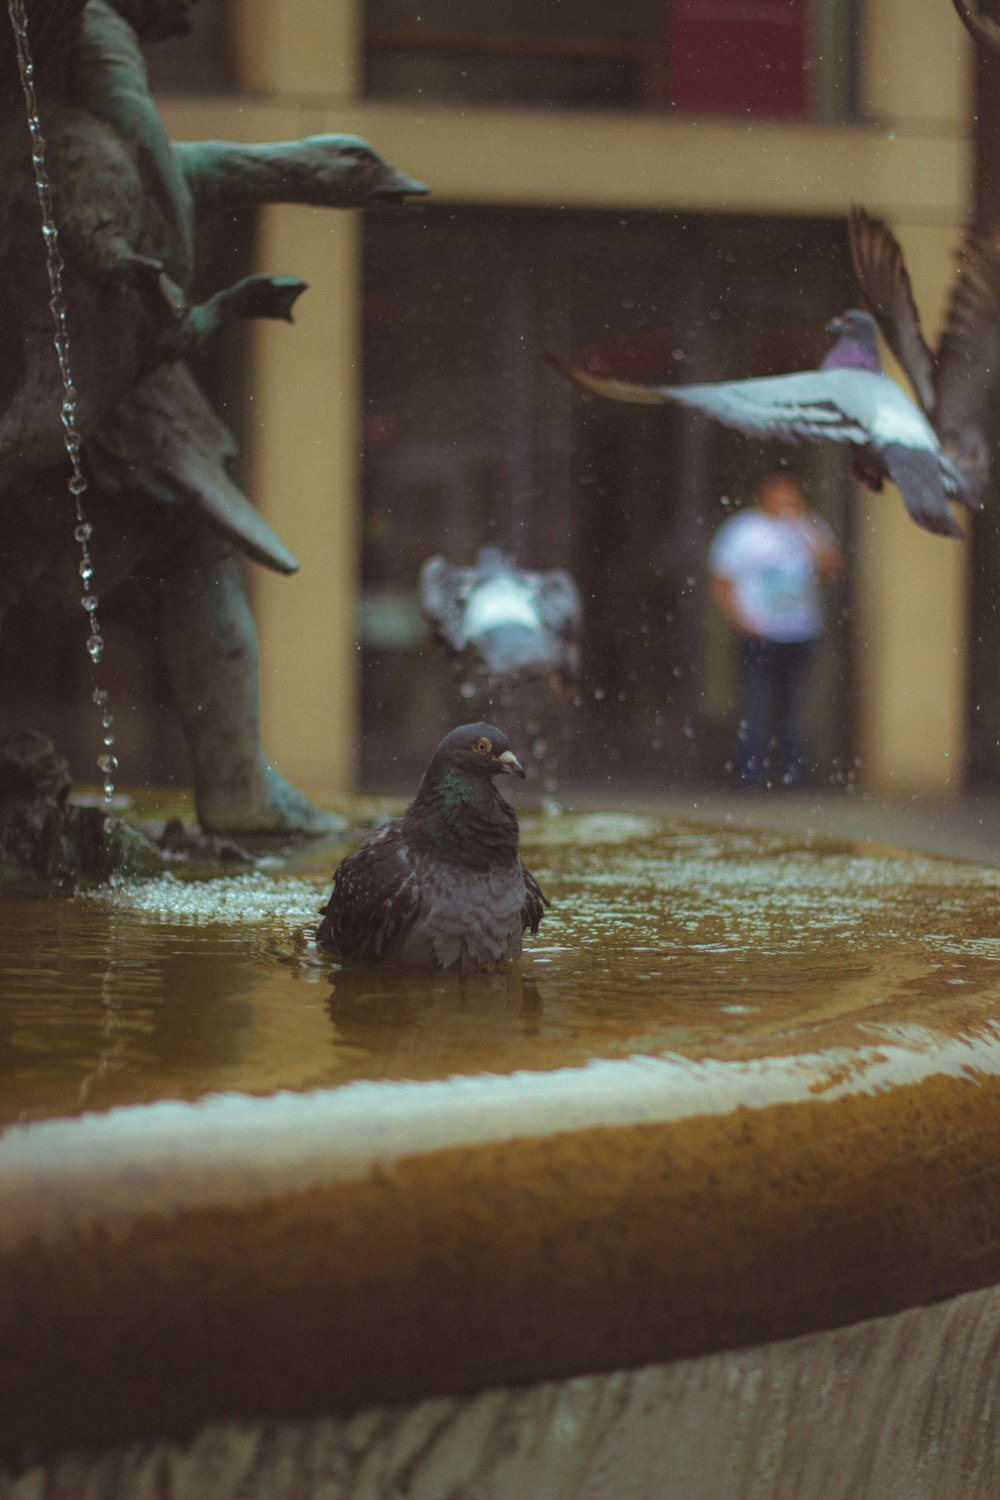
[[857, 342], [476, 750]]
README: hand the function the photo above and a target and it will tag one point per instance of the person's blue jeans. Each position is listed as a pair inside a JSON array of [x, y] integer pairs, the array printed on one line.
[[771, 743]]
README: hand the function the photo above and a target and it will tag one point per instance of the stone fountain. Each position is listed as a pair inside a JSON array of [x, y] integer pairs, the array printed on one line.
[[700, 1199]]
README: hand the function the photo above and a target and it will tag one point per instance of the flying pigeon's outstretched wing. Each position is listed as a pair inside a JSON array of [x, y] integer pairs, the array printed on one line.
[[375, 899], [841, 405], [792, 408], [885, 285], [969, 363], [607, 385]]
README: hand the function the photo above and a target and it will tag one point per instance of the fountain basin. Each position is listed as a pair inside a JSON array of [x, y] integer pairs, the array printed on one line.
[[744, 1087]]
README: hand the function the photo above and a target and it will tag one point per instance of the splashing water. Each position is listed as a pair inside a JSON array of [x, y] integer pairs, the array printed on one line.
[[107, 761]]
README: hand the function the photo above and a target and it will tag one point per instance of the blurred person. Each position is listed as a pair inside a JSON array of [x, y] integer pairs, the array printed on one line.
[[765, 566]]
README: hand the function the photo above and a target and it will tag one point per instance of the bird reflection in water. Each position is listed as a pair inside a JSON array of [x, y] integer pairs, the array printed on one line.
[[389, 1011]]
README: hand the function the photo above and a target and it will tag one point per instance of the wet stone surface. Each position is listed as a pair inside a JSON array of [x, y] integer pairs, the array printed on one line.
[[664, 940]]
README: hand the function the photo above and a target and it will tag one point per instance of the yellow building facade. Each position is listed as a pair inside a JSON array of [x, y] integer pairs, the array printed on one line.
[[300, 67]]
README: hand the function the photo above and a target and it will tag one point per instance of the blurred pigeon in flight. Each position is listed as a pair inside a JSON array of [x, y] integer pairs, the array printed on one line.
[[502, 622], [847, 400], [442, 887], [957, 385]]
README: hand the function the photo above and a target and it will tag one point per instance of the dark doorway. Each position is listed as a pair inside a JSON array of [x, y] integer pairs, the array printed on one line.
[[472, 438]]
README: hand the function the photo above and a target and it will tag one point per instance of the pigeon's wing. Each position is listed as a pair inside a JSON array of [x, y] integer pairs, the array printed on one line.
[[558, 601], [560, 608], [885, 285], [606, 385], [806, 407], [166, 441], [916, 473], [535, 903], [969, 363], [792, 408], [375, 899], [443, 591]]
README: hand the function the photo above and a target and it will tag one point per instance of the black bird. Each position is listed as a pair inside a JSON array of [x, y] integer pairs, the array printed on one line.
[[502, 621], [956, 385], [849, 399], [442, 887]]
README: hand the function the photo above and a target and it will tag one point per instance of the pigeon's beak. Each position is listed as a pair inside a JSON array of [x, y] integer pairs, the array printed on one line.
[[835, 325], [509, 762]]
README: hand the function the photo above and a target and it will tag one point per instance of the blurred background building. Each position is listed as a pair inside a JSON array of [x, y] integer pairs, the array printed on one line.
[[659, 186]]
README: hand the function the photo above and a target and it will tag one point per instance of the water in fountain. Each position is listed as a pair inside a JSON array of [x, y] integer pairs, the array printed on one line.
[[107, 761]]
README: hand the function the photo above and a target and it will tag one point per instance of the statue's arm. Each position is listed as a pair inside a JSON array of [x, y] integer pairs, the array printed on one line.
[[331, 171]]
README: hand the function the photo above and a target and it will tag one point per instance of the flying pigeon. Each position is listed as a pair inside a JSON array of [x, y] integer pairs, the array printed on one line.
[[442, 887], [502, 621], [957, 385], [848, 399]]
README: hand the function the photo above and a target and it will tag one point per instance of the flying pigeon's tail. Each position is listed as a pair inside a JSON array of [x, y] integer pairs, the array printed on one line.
[[917, 476]]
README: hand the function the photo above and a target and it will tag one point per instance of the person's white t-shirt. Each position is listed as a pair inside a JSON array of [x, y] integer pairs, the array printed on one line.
[[771, 563]]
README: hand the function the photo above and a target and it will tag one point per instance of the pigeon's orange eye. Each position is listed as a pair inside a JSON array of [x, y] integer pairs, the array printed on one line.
[[483, 745]]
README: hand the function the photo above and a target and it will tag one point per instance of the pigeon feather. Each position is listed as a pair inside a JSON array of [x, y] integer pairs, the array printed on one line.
[[957, 386], [881, 274]]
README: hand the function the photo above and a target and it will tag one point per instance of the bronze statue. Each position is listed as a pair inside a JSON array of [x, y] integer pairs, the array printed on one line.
[[126, 203], [43, 837]]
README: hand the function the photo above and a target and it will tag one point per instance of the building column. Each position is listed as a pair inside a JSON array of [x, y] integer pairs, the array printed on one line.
[[307, 383], [912, 608], [307, 387], [913, 587]]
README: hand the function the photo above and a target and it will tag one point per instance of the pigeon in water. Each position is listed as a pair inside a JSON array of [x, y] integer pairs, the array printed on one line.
[[957, 385], [849, 399], [442, 887], [502, 621]]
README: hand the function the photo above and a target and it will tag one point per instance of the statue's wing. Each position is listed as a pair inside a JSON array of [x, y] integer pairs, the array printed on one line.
[[884, 282], [443, 593], [166, 441], [51, 32]]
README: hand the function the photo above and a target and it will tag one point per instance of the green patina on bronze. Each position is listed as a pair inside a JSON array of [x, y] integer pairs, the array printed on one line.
[[127, 203]]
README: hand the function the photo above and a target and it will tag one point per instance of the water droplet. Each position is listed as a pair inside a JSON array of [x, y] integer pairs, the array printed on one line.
[[72, 440], [467, 690], [107, 763]]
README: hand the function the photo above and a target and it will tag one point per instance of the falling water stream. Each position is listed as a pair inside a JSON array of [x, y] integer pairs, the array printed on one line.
[[107, 761]]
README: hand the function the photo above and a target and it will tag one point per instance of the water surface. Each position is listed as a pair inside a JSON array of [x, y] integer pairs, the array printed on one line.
[[664, 939]]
